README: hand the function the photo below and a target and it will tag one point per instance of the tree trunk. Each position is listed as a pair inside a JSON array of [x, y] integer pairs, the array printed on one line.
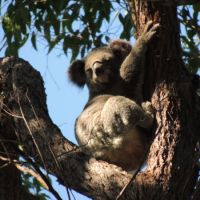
[[172, 162], [173, 155]]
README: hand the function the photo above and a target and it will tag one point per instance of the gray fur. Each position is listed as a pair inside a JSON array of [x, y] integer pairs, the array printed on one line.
[[108, 127]]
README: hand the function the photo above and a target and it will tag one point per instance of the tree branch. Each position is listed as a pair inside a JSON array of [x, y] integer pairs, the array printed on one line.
[[23, 93]]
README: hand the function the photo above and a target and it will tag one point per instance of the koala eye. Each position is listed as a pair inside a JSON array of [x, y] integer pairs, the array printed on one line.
[[89, 73]]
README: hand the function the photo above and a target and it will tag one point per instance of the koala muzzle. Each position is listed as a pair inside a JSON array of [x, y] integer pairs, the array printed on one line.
[[98, 69]]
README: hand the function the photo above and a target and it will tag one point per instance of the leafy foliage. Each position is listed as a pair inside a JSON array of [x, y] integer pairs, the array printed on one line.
[[79, 25], [33, 186], [190, 18], [74, 24]]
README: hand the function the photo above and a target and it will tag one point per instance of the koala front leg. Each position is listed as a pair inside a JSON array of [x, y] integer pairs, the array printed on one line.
[[134, 61], [149, 32], [132, 68], [121, 114]]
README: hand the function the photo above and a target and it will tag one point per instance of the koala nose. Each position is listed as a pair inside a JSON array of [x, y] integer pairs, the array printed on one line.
[[98, 71]]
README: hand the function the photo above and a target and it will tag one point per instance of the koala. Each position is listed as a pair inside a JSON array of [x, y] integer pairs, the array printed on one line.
[[115, 122]]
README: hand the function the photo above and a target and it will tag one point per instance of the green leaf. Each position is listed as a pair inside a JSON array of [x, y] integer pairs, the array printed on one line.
[[121, 18], [54, 42], [58, 5], [23, 40], [7, 24], [196, 7], [79, 19], [38, 24], [33, 40], [191, 33]]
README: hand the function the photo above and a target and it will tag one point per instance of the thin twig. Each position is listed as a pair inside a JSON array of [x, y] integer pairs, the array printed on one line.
[[9, 112], [30, 132]]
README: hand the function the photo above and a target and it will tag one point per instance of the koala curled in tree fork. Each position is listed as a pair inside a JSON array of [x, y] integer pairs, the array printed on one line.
[[113, 123]]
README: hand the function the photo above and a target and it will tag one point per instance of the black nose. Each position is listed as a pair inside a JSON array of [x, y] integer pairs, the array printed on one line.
[[99, 71]]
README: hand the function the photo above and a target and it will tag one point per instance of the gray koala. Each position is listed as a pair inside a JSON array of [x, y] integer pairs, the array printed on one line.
[[114, 123]]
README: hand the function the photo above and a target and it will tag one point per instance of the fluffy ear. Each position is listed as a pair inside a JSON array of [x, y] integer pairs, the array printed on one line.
[[76, 73], [120, 47]]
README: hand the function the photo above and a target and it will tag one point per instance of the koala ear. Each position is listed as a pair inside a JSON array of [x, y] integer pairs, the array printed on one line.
[[76, 73], [121, 47]]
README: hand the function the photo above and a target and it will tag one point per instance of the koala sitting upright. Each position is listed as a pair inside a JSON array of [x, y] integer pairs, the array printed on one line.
[[113, 123]]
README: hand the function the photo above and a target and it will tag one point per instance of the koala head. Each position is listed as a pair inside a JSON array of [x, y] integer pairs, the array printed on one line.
[[100, 68]]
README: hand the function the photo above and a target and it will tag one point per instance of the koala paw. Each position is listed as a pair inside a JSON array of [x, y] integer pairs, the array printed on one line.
[[147, 106], [119, 114], [148, 116], [150, 30]]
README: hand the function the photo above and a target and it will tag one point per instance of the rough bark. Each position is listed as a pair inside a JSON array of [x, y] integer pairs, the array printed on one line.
[[172, 170], [173, 94]]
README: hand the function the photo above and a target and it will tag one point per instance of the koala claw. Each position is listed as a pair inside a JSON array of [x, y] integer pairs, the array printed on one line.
[[155, 27], [147, 121], [150, 30], [148, 26], [147, 106]]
